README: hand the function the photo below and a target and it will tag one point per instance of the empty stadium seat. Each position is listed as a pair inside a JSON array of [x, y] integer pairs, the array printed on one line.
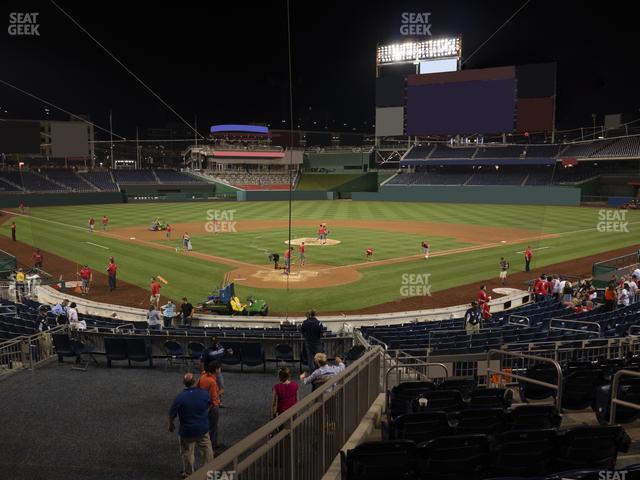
[[454, 457], [420, 426], [379, 461], [115, 349], [527, 417], [590, 447], [481, 421], [523, 452]]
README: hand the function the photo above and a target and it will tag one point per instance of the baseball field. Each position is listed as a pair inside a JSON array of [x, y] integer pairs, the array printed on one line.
[[233, 240]]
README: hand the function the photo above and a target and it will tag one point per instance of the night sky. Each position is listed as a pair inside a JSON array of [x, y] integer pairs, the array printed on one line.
[[227, 62]]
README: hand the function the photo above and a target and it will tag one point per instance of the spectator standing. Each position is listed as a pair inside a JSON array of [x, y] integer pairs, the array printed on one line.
[[86, 276], [192, 408], [483, 302], [19, 285], [208, 382], [214, 354], [13, 231], [528, 255], [472, 318], [610, 297], [155, 292], [312, 332], [153, 318], [38, 258], [186, 311], [623, 296], [168, 311], [285, 393], [44, 321], [112, 271]]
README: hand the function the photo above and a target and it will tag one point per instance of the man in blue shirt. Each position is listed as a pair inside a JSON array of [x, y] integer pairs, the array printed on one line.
[[192, 407]]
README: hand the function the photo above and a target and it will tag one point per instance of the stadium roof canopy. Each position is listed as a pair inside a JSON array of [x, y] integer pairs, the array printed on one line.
[[233, 128]]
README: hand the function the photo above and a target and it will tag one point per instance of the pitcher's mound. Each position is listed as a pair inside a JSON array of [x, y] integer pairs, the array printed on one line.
[[309, 276], [312, 241]]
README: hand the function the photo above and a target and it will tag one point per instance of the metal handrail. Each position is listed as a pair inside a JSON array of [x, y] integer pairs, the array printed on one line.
[[421, 364], [284, 425], [582, 322], [509, 322], [614, 394], [117, 329], [557, 388]]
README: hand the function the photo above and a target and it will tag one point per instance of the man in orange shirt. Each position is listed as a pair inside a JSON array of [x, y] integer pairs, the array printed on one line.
[[208, 382]]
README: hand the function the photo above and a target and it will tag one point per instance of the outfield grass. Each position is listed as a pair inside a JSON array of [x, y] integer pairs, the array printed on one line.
[[61, 230]]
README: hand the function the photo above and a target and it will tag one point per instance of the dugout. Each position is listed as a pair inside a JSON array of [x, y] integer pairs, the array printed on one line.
[[8, 264], [624, 265]]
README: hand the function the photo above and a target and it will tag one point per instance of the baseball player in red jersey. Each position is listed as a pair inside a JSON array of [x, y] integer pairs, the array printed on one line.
[[167, 232], [155, 292], [92, 224], [369, 253], [105, 222], [301, 253], [483, 302], [86, 275]]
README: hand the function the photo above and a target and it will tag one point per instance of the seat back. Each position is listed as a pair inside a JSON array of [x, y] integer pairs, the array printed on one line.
[[523, 452], [62, 342], [465, 387], [444, 400], [543, 372], [491, 398], [115, 348], [137, 349], [591, 447], [580, 387], [481, 421], [420, 426], [172, 348], [232, 352], [401, 395], [284, 352], [379, 461], [455, 457], [195, 349], [527, 417], [252, 353]]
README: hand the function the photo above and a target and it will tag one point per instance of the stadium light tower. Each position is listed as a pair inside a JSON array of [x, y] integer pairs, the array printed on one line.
[[429, 56]]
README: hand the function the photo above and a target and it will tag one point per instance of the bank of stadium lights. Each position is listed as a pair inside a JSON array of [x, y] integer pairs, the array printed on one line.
[[416, 51]]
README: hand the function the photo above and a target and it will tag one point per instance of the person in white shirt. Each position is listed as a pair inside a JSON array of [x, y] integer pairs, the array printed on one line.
[[633, 288], [74, 322], [623, 296], [636, 273]]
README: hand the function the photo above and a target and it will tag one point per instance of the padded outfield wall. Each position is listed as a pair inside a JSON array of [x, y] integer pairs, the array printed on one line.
[[52, 199], [506, 195]]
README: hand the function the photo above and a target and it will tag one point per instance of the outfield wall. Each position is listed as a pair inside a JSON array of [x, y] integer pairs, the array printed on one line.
[[511, 195], [271, 195], [53, 199]]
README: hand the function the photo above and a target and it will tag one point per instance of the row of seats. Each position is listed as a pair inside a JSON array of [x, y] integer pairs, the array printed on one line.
[[514, 453], [427, 425]]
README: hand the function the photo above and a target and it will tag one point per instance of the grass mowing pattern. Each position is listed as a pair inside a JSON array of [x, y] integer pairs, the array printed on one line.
[[64, 233]]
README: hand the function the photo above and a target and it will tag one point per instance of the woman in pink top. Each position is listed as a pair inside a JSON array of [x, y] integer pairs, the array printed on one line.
[[285, 393]]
